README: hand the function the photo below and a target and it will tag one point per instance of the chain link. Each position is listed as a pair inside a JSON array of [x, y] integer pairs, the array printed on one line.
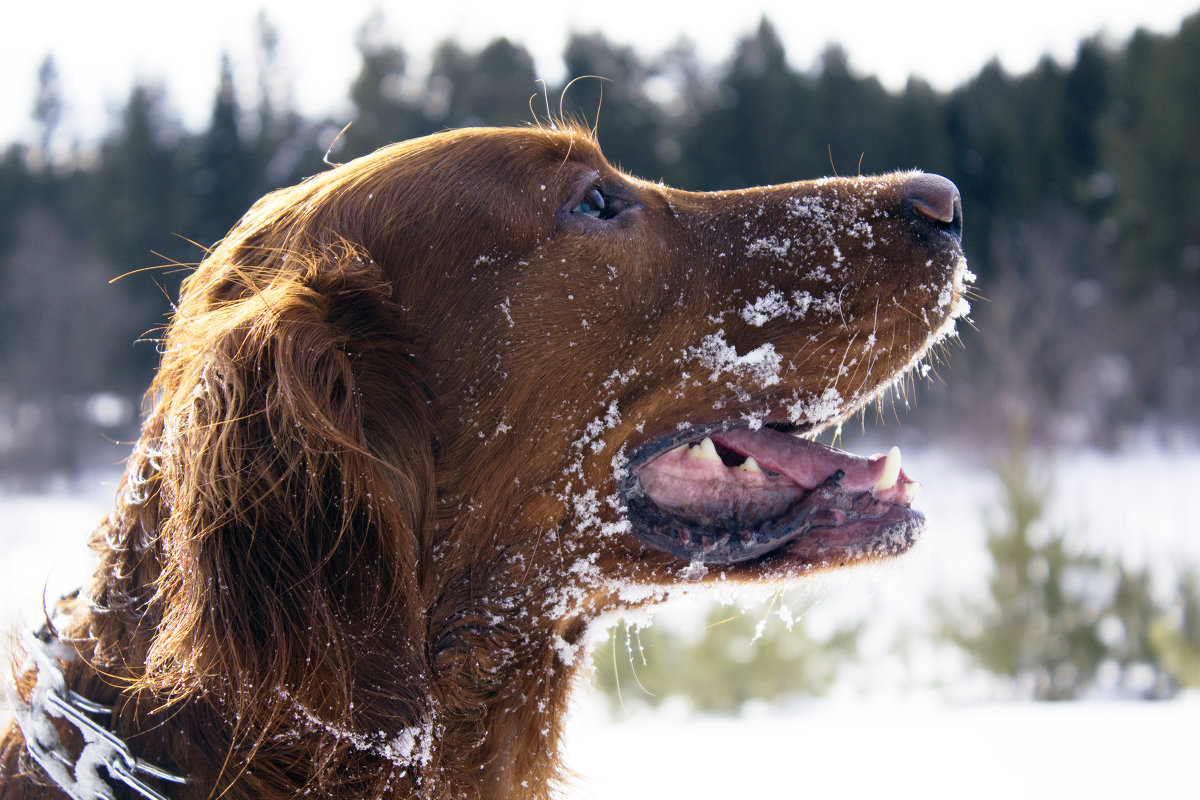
[[79, 776]]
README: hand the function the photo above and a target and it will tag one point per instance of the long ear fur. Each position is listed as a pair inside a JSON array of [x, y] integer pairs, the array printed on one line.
[[295, 479]]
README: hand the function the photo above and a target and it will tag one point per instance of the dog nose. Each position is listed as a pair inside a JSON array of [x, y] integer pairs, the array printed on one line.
[[935, 197]]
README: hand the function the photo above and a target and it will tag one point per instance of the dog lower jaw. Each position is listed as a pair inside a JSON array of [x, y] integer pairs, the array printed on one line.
[[830, 527]]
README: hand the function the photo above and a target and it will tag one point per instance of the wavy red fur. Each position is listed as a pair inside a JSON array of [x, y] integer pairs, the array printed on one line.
[[374, 507]]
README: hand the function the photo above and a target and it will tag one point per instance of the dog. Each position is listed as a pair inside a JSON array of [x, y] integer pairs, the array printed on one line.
[[423, 419]]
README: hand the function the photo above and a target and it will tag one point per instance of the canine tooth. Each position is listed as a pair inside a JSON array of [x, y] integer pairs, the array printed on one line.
[[891, 470], [750, 465], [706, 451]]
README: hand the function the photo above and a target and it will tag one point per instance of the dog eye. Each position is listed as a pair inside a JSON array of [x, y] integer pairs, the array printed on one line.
[[595, 204]]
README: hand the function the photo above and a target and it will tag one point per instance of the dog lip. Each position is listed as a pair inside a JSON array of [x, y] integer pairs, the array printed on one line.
[[813, 503]]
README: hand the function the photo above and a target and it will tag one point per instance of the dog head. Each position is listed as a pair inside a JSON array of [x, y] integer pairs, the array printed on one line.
[[489, 358], [423, 417]]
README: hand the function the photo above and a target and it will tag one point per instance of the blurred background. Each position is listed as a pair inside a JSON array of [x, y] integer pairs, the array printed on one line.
[[1058, 446]]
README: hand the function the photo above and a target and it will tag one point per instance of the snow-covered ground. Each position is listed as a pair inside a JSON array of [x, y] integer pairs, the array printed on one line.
[[901, 748], [875, 736], [43, 542]]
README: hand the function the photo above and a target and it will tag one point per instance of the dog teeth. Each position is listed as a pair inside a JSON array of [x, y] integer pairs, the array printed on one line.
[[706, 451], [750, 465], [679, 451], [891, 471]]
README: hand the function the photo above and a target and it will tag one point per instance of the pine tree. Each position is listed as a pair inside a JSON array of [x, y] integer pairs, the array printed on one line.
[[755, 132], [383, 112], [491, 87], [1155, 162], [610, 94], [740, 656], [223, 180], [1031, 629], [47, 109], [1059, 622]]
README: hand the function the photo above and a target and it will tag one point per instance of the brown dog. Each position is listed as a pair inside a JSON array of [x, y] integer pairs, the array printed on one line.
[[423, 418]]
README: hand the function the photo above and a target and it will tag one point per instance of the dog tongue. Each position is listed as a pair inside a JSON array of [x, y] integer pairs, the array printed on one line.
[[810, 464]]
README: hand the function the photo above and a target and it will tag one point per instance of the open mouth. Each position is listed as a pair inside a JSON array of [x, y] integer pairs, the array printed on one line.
[[725, 495]]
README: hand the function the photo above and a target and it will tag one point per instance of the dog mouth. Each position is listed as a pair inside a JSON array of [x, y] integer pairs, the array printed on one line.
[[727, 495]]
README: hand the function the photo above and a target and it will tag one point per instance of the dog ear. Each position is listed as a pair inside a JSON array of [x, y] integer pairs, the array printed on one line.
[[296, 458]]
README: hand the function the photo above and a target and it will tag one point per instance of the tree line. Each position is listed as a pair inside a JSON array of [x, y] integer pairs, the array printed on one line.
[[1081, 185]]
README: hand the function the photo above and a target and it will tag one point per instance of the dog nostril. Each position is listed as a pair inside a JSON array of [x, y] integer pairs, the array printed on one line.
[[934, 197]]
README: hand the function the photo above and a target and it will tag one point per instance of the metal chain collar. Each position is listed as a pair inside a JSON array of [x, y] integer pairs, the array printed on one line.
[[79, 775]]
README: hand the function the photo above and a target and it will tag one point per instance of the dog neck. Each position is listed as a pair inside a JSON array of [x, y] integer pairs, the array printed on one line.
[[480, 717]]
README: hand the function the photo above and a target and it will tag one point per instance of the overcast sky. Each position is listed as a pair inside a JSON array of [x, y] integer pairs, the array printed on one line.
[[101, 48]]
